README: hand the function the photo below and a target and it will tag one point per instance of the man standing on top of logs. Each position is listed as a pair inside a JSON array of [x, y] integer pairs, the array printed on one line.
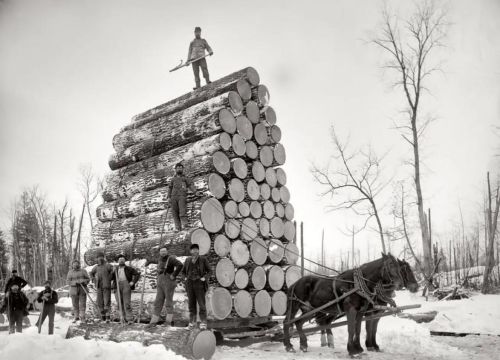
[[49, 298], [78, 279], [15, 304], [197, 49], [101, 275], [196, 271], [127, 278], [15, 280], [177, 193], [168, 269]]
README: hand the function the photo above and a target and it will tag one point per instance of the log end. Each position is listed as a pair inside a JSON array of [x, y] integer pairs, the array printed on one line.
[[204, 345]]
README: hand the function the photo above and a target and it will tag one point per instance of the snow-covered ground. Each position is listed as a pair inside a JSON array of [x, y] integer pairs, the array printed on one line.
[[399, 338]]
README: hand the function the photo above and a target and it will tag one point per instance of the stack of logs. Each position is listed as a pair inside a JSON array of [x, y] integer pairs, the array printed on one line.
[[226, 136]]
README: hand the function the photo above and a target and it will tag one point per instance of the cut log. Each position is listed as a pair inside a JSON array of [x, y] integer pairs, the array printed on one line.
[[244, 127], [163, 125], [269, 210], [231, 209], [269, 115], [275, 250], [284, 194], [222, 245], [277, 227], [262, 303], [212, 215], [241, 278], [265, 191], [232, 228], [258, 251], [239, 167], [243, 209], [219, 303], [172, 136], [252, 152], [243, 303], [289, 212], [261, 134], [279, 154], [275, 194], [281, 176], [258, 171], [275, 277], [266, 156], [237, 190], [223, 85], [292, 274], [249, 229], [252, 112], [189, 343], [271, 178], [258, 278], [291, 253], [256, 210], [289, 230], [280, 210], [260, 95], [221, 163], [224, 272], [273, 134], [216, 186], [264, 227], [253, 190], [244, 90], [239, 253], [202, 238], [279, 303], [238, 145]]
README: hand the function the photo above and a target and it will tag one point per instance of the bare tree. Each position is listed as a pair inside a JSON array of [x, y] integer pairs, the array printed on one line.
[[355, 184], [409, 45], [492, 210], [90, 186]]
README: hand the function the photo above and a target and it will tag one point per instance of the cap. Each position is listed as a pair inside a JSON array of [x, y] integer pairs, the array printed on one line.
[[194, 246], [14, 271], [47, 282], [121, 256], [179, 164], [197, 28]]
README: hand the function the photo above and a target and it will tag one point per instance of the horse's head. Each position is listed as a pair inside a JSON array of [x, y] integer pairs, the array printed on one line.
[[409, 280], [391, 272]]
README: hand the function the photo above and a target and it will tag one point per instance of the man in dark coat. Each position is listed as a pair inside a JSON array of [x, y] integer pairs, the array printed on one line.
[[196, 50], [15, 304], [168, 269], [124, 278], [49, 299], [101, 275], [15, 280], [177, 193], [196, 271]]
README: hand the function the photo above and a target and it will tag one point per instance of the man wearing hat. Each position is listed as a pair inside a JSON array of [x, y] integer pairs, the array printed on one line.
[[49, 298], [124, 278], [15, 280], [101, 275], [196, 271], [177, 193], [78, 279], [15, 304], [197, 49]]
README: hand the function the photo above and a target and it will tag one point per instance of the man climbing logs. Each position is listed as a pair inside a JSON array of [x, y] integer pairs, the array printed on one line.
[[127, 278], [197, 49], [168, 269], [177, 193], [15, 304], [101, 276], [49, 299]]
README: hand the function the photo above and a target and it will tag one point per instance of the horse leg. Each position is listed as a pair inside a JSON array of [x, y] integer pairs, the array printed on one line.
[[329, 335], [357, 344], [374, 335], [323, 338], [286, 328], [302, 336], [351, 330], [369, 335]]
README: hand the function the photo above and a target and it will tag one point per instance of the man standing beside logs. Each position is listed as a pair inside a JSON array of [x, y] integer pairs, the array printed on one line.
[[168, 269], [78, 279], [101, 276], [177, 193], [124, 279], [196, 271]]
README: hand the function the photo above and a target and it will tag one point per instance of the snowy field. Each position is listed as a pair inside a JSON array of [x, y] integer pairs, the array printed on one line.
[[398, 338]]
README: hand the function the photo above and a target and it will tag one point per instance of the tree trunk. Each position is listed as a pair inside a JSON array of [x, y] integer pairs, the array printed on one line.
[[492, 222]]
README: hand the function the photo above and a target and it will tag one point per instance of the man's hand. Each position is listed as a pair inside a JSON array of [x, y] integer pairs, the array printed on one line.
[[200, 193], [46, 296], [202, 279], [211, 53], [131, 283], [172, 277]]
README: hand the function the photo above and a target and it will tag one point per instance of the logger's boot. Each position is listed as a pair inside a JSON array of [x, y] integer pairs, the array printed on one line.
[[323, 339], [330, 341], [153, 322], [108, 319], [168, 320], [197, 85]]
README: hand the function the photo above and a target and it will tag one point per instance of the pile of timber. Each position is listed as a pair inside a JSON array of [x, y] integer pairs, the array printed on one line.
[[227, 137]]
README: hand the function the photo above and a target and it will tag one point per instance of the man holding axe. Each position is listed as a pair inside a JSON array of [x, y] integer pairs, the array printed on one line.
[[196, 55], [49, 299]]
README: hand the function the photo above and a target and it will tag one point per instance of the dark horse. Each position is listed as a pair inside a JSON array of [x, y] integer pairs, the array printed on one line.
[[311, 292]]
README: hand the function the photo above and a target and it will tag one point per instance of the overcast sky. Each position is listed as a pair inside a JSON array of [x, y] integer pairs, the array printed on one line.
[[72, 73]]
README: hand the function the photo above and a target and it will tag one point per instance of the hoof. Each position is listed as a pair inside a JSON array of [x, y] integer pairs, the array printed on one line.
[[331, 346], [323, 344], [289, 349], [303, 348]]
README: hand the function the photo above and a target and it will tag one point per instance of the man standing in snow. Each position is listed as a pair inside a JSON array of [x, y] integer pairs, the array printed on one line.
[[49, 299], [15, 280], [127, 278], [15, 304], [101, 275], [196, 271], [196, 50], [177, 193], [168, 269], [78, 279]]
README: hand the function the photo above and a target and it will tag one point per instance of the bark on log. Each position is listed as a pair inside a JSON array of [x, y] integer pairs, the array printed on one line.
[[292, 274], [164, 124], [239, 167], [252, 112], [289, 212], [232, 228], [277, 227], [219, 303], [236, 190], [258, 171], [174, 135], [271, 178], [249, 229], [256, 210], [291, 253], [192, 344], [258, 251], [243, 303], [239, 253], [265, 191], [252, 152], [260, 94], [244, 127], [275, 250], [258, 278], [222, 245], [281, 176], [224, 272], [269, 210], [275, 277], [241, 279], [289, 230], [225, 84], [284, 194], [243, 209], [279, 303], [262, 303], [264, 227]]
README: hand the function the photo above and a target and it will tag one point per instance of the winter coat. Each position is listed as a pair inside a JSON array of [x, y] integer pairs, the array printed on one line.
[[75, 278], [52, 297], [101, 275], [178, 186], [197, 48], [203, 267], [15, 281], [15, 302], [131, 274]]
